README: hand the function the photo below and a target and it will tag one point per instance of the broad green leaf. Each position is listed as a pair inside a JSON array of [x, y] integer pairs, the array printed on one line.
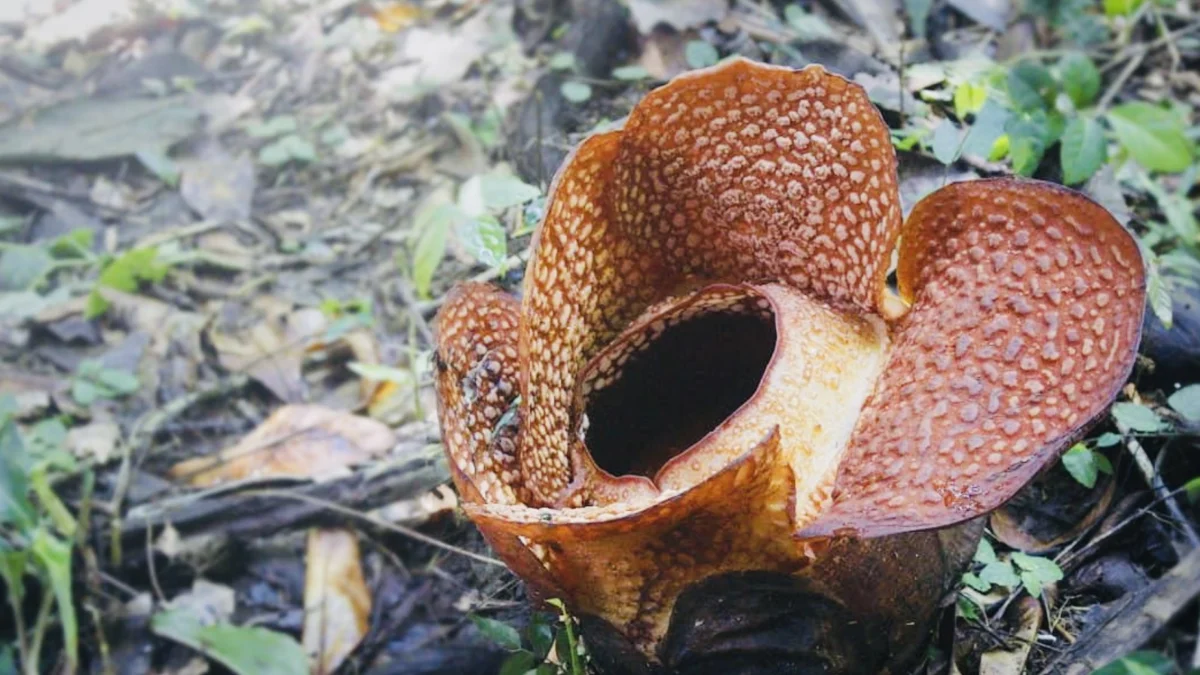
[[498, 632], [985, 553], [274, 154], [21, 266], [1083, 150], [575, 91], [999, 573], [1115, 8], [630, 73], [969, 98], [74, 244], [1036, 572], [1137, 417], [484, 239], [1085, 465], [1108, 439], [84, 392], [987, 129], [1028, 139], [15, 507], [434, 225], [1158, 295], [1080, 78], [117, 382], [700, 54], [54, 555], [63, 521], [562, 61], [973, 580], [541, 635], [519, 663], [1186, 402], [246, 650], [1030, 86], [947, 141], [1154, 136], [13, 563], [126, 272], [1192, 488]]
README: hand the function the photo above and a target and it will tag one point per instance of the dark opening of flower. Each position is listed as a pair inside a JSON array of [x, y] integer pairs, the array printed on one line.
[[714, 380]]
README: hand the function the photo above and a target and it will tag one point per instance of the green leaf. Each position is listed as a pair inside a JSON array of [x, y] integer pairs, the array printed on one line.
[[117, 382], [1137, 417], [999, 573], [498, 632], [1155, 137], [21, 266], [484, 239], [987, 129], [96, 305], [74, 244], [973, 581], [274, 154], [492, 192], [1157, 293], [276, 126], [562, 61], [434, 226], [1192, 488], [1108, 439], [12, 571], [918, 14], [375, 371], [126, 272], [576, 92], [985, 553], [1030, 86], [1186, 402], [246, 650], [1115, 8], [808, 26], [1036, 572], [54, 555], [160, 164], [1028, 139], [700, 54], [1080, 78], [63, 521], [630, 73], [946, 142], [541, 635], [15, 507], [969, 98], [518, 664], [1083, 150], [1083, 464]]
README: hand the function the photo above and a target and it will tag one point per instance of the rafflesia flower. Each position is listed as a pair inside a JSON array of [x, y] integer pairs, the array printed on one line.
[[709, 427]]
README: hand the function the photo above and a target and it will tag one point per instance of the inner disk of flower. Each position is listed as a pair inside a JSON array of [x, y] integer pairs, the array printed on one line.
[[689, 375]]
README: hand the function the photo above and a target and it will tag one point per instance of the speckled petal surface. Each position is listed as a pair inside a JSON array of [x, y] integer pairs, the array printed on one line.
[[740, 172], [1027, 304]]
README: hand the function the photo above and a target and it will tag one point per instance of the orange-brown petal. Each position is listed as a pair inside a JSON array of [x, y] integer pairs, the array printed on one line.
[[741, 172], [628, 564], [477, 377], [1027, 302]]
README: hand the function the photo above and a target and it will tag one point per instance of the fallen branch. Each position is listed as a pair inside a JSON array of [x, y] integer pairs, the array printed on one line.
[[1132, 620]]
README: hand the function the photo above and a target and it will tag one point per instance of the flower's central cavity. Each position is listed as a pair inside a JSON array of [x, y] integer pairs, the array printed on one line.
[[683, 382]]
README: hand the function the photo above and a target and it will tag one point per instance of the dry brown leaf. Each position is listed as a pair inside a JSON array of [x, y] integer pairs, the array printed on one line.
[[208, 602], [395, 16], [420, 510], [302, 441], [337, 603], [97, 440], [1012, 662], [272, 350]]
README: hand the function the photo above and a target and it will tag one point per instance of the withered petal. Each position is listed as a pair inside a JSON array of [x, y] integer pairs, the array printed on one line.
[[477, 378], [1027, 302], [738, 173]]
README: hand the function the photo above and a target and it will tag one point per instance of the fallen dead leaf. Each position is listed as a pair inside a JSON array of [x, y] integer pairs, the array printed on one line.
[[395, 16], [206, 601], [419, 510], [272, 350], [216, 184], [337, 603], [301, 441], [96, 441], [1028, 612]]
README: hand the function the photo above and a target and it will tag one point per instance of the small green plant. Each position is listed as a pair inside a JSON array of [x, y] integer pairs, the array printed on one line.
[[530, 652], [94, 381], [1033, 573], [37, 536], [1085, 464]]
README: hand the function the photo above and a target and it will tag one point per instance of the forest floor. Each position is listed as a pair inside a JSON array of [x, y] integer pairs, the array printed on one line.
[[227, 226]]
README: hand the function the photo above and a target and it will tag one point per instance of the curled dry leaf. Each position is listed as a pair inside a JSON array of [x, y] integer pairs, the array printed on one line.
[[1051, 511], [337, 604], [1028, 614], [419, 510], [271, 350], [302, 441], [706, 389]]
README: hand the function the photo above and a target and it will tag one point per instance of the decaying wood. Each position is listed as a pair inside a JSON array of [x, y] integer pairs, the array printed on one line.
[[1132, 620], [245, 512]]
